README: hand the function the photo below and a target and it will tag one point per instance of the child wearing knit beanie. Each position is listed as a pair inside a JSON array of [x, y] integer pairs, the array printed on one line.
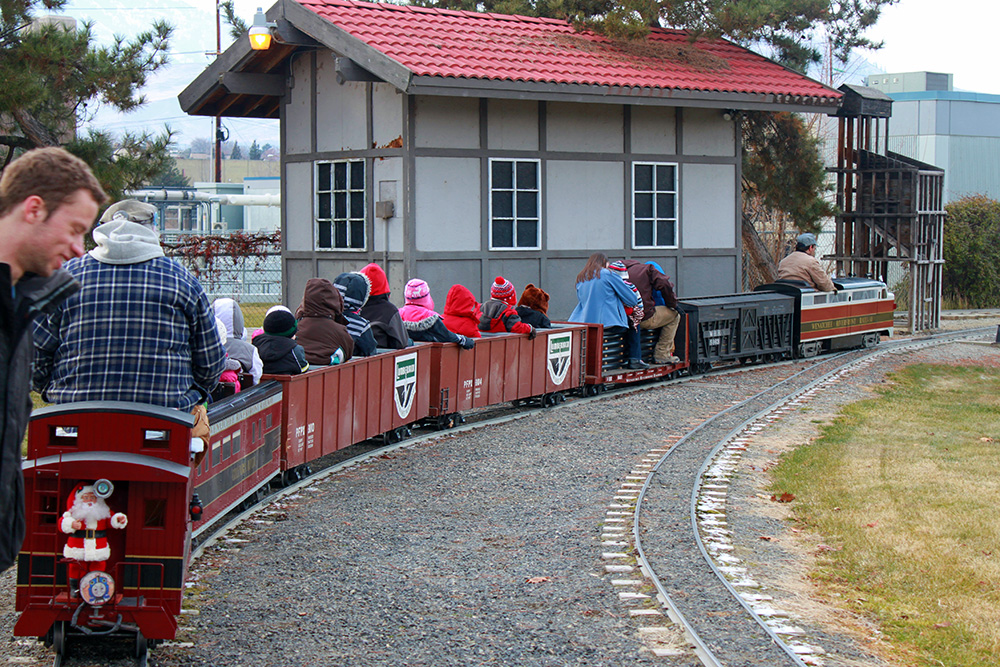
[[420, 320], [499, 315], [279, 352]]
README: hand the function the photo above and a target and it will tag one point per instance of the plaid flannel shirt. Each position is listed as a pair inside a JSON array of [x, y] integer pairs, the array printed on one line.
[[135, 332]]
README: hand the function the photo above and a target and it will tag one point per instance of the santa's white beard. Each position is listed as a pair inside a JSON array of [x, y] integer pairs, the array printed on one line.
[[89, 512]]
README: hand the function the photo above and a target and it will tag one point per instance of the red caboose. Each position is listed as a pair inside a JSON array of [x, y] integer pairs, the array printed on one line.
[[137, 459]]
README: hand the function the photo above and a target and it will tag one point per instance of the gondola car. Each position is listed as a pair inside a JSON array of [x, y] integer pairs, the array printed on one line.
[[856, 315]]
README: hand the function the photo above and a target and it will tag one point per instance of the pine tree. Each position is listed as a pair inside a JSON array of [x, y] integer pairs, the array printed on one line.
[[236, 153], [255, 151], [55, 78]]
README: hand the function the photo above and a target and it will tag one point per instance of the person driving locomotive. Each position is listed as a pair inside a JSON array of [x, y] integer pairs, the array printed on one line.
[[803, 265]]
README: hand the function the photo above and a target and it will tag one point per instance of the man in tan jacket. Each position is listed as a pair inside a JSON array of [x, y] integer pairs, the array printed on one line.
[[803, 265]]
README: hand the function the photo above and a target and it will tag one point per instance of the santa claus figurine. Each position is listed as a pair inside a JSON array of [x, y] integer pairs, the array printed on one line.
[[86, 521]]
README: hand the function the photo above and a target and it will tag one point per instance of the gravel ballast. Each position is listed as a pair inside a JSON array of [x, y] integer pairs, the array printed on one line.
[[477, 548]]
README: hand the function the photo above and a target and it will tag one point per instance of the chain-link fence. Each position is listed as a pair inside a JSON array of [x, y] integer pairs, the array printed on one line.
[[244, 267]]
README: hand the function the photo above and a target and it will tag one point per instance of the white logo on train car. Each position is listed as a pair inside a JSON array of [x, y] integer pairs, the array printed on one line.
[[560, 353], [406, 383]]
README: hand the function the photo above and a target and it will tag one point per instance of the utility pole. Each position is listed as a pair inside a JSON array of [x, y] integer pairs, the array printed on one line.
[[218, 119]]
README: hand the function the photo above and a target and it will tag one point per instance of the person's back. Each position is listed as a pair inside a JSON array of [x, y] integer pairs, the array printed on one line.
[[422, 323], [237, 346], [499, 314], [355, 288], [278, 350], [461, 312], [803, 265], [387, 325], [322, 328], [140, 329], [533, 307]]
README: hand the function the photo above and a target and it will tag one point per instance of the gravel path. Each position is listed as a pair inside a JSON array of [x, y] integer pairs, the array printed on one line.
[[478, 548]]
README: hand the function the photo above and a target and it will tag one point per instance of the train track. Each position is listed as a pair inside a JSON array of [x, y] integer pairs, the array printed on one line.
[[705, 590], [686, 485]]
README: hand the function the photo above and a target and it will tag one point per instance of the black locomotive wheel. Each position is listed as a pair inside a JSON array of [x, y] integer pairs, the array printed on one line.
[[141, 649], [59, 642]]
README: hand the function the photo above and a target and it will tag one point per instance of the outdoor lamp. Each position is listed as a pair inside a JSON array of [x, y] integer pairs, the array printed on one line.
[[260, 32]]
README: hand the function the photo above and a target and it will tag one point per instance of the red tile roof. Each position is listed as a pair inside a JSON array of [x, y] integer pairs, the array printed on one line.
[[502, 47]]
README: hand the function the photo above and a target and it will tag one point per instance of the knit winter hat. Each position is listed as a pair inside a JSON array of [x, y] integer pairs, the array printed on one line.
[[280, 323], [416, 288], [418, 292], [618, 266], [503, 290], [535, 298]]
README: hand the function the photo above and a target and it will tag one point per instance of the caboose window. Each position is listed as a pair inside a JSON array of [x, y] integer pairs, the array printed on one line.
[[227, 447], [62, 436], [154, 513], [156, 439], [236, 442], [216, 452], [267, 420], [654, 205]]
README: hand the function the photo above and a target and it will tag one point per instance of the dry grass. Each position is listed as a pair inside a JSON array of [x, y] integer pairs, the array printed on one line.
[[906, 490]]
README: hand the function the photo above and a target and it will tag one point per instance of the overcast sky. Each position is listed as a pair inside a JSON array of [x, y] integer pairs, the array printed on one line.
[[951, 36]]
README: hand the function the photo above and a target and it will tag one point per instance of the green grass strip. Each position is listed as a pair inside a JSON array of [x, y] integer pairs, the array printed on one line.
[[905, 489]]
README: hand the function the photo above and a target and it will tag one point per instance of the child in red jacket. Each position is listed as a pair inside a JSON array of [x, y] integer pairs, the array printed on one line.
[[498, 314]]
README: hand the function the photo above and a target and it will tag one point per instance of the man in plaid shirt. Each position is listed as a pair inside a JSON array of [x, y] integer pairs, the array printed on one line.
[[140, 329]]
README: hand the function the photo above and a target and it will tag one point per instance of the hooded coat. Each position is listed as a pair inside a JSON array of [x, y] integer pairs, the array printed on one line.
[[355, 288], [650, 281], [423, 324], [387, 325], [461, 312], [237, 346], [322, 325], [533, 306]]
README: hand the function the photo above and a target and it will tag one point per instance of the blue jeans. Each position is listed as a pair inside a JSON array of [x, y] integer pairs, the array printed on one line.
[[631, 337]]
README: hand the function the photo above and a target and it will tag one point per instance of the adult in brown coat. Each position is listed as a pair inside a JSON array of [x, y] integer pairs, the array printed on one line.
[[649, 280], [803, 265], [322, 326]]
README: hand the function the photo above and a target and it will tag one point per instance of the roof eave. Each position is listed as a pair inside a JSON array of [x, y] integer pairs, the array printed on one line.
[[570, 92]]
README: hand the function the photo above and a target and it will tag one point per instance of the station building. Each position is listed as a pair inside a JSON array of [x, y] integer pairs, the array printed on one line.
[[458, 146]]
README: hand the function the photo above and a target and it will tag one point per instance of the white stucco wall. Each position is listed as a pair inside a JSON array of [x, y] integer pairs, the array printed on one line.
[[654, 130], [447, 122], [448, 211], [512, 125], [706, 132], [708, 206], [298, 205], [387, 114], [588, 128], [298, 111], [584, 205], [340, 110]]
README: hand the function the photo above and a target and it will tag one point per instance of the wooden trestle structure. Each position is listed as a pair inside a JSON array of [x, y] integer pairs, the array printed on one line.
[[891, 206]]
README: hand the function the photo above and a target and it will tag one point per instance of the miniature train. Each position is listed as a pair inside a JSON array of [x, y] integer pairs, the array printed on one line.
[[139, 459]]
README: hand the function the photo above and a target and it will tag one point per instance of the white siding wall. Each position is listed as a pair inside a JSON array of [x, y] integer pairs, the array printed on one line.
[[387, 114]]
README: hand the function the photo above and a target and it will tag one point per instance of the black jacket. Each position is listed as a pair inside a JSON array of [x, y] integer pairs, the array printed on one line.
[[32, 296], [281, 356], [387, 325]]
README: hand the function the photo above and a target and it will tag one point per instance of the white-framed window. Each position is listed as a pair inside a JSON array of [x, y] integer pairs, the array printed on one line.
[[340, 205], [515, 204], [654, 205]]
